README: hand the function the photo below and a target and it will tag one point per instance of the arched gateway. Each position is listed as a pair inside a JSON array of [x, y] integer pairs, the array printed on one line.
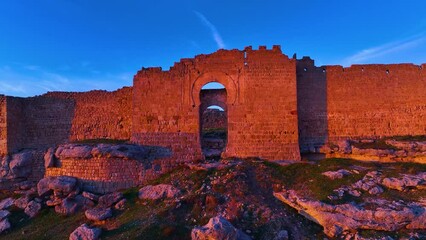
[[261, 104]]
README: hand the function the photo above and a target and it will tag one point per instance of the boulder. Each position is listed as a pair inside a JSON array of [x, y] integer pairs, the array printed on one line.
[[336, 174], [63, 184], [385, 216], [218, 228], [110, 199], [90, 196], [123, 151], [49, 158], [156, 192], [4, 214], [84, 232], [281, 235], [20, 166], [73, 151], [376, 190], [4, 225], [43, 187], [22, 202], [121, 204], [32, 209], [98, 214], [6, 203], [72, 205]]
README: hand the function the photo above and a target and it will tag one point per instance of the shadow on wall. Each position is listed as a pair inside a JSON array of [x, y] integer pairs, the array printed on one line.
[[312, 105], [38, 122]]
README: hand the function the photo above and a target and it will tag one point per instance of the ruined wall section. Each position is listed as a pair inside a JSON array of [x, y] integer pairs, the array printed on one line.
[[15, 124], [46, 121], [376, 100], [3, 126], [311, 105], [97, 114], [266, 126], [162, 116]]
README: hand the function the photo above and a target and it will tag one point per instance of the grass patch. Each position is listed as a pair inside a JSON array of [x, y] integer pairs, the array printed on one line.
[[308, 180]]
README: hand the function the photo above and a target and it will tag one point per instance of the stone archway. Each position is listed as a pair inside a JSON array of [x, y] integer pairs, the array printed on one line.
[[220, 77]]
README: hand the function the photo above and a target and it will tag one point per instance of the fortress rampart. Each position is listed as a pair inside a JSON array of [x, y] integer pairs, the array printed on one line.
[[275, 106]]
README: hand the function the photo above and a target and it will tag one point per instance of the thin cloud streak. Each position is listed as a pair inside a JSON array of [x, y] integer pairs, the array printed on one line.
[[385, 49], [15, 82], [216, 36]]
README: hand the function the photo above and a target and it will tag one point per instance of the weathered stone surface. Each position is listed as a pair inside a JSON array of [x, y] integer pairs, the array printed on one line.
[[282, 235], [32, 209], [110, 199], [4, 225], [158, 192], [73, 151], [336, 174], [6, 203], [63, 185], [121, 204], [43, 187], [70, 206], [49, 158], [20, 165], [350, 217], [84, 232], [218, 228], [407, 181], [22, 202], [98, 214], [4, 214], [90, 196]]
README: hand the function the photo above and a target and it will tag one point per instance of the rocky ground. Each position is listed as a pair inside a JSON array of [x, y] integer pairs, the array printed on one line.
[[230, 199]]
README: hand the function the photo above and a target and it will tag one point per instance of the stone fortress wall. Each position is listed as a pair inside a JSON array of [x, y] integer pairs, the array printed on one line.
[[274, 104], [361, 101]]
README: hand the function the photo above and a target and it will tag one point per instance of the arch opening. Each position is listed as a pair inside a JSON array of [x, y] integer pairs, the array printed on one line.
[[213, 120]]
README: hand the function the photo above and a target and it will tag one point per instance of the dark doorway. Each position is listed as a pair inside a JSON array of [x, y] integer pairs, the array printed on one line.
[[213, 121]]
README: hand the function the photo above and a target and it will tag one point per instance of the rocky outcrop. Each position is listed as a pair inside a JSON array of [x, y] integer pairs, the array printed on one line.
[[61, 186], [98, 213], [6, 203], [349, 217], [110, 199], [337, 174], [386, 150], [406, 182], [84, 232], [158, 192], [19, 166], [120, 151], [32, 209], [218, 228], [4, 225]]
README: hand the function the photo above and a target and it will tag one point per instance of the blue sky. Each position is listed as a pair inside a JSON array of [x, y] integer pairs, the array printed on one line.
[[78, 45]]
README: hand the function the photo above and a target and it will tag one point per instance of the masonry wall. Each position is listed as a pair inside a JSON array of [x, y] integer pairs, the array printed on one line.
[[15, 124], [261, 104], [102, 175], [3, 126], [376, 100], [99, 114], [312, 105], [58, 117], [266, 123]]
